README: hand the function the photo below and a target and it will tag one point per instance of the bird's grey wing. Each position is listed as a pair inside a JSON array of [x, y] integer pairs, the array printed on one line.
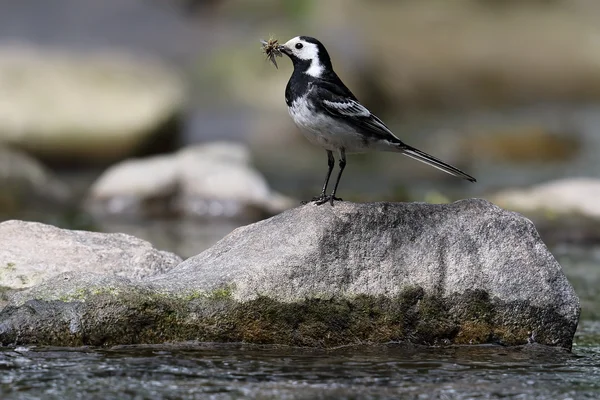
[[354, 113]]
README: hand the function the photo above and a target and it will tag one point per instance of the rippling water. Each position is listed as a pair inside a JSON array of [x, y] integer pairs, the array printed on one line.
[[233, 371]]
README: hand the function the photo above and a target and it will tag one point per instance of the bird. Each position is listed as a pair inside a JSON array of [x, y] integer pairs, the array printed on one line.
[[330, 116]]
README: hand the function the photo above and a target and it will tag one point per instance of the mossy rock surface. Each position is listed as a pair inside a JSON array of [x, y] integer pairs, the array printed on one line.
[[121, 313], [464, 273]]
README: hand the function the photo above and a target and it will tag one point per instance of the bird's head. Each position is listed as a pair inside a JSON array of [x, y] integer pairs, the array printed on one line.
[[308, 55]]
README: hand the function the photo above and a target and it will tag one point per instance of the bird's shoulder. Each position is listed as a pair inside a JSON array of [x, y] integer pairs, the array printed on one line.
[[335, 98], [333, 88]]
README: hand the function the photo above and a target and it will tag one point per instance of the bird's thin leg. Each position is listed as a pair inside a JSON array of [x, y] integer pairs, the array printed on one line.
[[337, 181], [330, 164], [332, 197]]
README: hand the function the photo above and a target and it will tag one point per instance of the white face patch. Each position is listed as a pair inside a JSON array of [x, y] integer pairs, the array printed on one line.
[[309, 51]]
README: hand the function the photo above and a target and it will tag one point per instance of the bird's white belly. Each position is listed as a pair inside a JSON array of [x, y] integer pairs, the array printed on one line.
[[324, 131]]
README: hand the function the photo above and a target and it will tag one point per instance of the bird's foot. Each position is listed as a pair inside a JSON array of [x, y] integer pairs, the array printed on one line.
[[304, 202], [322, 199], [314, 199], [325, 199]]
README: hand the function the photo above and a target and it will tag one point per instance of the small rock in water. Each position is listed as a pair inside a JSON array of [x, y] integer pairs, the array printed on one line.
[[31, 252], [69, 107], [565, 196], [211, 180], [26, 182]]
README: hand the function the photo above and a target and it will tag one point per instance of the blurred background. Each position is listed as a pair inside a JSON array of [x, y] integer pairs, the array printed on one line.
[[161, 118]]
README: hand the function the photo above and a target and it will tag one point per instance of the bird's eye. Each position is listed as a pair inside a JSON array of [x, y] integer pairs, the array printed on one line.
[[299, 46]]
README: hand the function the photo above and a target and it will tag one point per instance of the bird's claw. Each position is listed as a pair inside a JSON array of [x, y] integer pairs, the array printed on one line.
[[322, 199], [314, 199], [325, 199]]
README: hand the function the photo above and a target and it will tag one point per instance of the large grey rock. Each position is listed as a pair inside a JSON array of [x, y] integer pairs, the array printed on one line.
[[467, 272], [214, 180], [31, 252], [377, 249], [89, 107]]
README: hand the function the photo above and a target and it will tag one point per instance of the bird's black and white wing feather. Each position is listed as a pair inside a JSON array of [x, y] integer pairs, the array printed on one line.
[[340, 103], [346, 107]]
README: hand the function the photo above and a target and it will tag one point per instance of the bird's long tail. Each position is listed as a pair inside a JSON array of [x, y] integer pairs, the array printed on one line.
[[434, 162]]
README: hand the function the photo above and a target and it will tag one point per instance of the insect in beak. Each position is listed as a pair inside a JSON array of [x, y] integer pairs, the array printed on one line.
[[272, 49]]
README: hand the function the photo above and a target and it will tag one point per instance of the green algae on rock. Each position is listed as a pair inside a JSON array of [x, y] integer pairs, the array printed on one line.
[[111, 317]]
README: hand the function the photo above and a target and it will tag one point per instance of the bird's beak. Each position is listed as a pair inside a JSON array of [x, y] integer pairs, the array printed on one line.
[[282, 48]]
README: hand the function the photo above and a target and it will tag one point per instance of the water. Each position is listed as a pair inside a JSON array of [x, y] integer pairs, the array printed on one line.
[[212, 371]]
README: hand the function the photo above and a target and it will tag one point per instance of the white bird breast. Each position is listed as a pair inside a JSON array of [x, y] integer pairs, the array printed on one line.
[[324, 131]]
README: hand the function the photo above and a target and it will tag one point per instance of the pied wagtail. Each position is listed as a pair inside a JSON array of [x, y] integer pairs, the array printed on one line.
[[330, 116]]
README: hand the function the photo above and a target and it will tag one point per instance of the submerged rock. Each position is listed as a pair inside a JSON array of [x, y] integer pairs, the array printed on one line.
[[31, 252], [210, 180], [467, 272], [26, 182], [577, 196], [69, 107]]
